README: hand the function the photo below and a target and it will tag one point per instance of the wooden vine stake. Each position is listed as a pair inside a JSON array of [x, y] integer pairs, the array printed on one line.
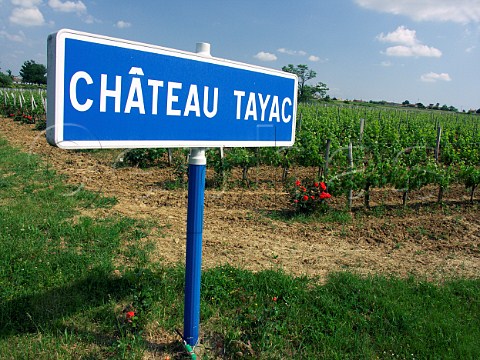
[[222, 167], [437, 156], [286, 162], [405, 197], [325, 165], [285, 166], [362, 127], [350, 162], [366, 198], [472, 193], [437, 146]]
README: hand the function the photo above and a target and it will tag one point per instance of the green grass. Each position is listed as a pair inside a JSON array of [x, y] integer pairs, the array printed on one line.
[[57, 279], [66, 281], [348, 317]]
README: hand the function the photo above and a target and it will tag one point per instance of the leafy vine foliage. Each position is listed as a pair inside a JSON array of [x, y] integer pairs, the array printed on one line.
[[391, 147]]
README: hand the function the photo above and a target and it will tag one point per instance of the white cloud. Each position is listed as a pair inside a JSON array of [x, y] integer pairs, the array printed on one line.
[[73, 6], [122, 24], [20, 37], [460, 11], [265, 56], [67, 6], [409, 45], [416, 50], [27, 16], [89, 19], [26, 3], [302, 53], [386, 63], [470, 49], [292, 52], [401, 35], [433, 77]]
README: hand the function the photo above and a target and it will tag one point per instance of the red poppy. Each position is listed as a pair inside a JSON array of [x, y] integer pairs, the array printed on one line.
[[325, 195], [323, 186], [274, 298], [295, 201], [303, 188], [313, 197], [316, 184], [305, 197], [129, 315], [298, 183]]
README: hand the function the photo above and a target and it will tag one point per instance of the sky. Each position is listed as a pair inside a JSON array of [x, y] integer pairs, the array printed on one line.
[[424, 51]]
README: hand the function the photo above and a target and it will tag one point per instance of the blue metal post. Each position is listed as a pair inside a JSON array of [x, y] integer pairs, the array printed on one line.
[[193, 272], [196, 191]]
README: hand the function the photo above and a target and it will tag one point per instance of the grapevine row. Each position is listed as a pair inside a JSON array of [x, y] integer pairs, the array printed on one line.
[[353, 148]]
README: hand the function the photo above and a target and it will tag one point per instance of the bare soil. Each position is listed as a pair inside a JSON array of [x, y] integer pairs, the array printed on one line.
[[242, 225]]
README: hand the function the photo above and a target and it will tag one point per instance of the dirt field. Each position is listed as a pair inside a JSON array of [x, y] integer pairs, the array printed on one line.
[[427, 240]]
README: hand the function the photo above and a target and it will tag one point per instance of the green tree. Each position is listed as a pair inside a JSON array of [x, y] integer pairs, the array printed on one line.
[[5, 80], [34, 73], [306, 92]]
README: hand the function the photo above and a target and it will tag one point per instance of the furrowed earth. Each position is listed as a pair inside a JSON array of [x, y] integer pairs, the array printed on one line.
[[425, 239]]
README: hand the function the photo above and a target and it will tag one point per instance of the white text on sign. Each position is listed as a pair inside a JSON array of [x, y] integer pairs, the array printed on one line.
[[199, 102]]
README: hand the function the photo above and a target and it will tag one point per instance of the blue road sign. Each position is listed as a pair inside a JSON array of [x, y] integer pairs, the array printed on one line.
[[112, 93]]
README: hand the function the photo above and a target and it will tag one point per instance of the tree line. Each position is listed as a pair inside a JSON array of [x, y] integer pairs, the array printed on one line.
[[33, 73], [30, 73]]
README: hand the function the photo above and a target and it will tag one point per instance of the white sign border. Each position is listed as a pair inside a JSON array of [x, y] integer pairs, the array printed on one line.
[[55, 94]]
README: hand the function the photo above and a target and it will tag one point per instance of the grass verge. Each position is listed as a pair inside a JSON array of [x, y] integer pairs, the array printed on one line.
[[68, 283]]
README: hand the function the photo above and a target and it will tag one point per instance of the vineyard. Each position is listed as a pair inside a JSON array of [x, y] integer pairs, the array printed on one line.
[[360, 149], [25, 105], [352, 149]]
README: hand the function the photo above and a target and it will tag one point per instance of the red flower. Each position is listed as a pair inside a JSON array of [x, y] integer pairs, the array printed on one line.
[[305, 197], [295, 201], [274, 298], [129, 315], [325, 195], [316, 184], [313, 197], [297, 183], [303, 188], [323, 186]]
